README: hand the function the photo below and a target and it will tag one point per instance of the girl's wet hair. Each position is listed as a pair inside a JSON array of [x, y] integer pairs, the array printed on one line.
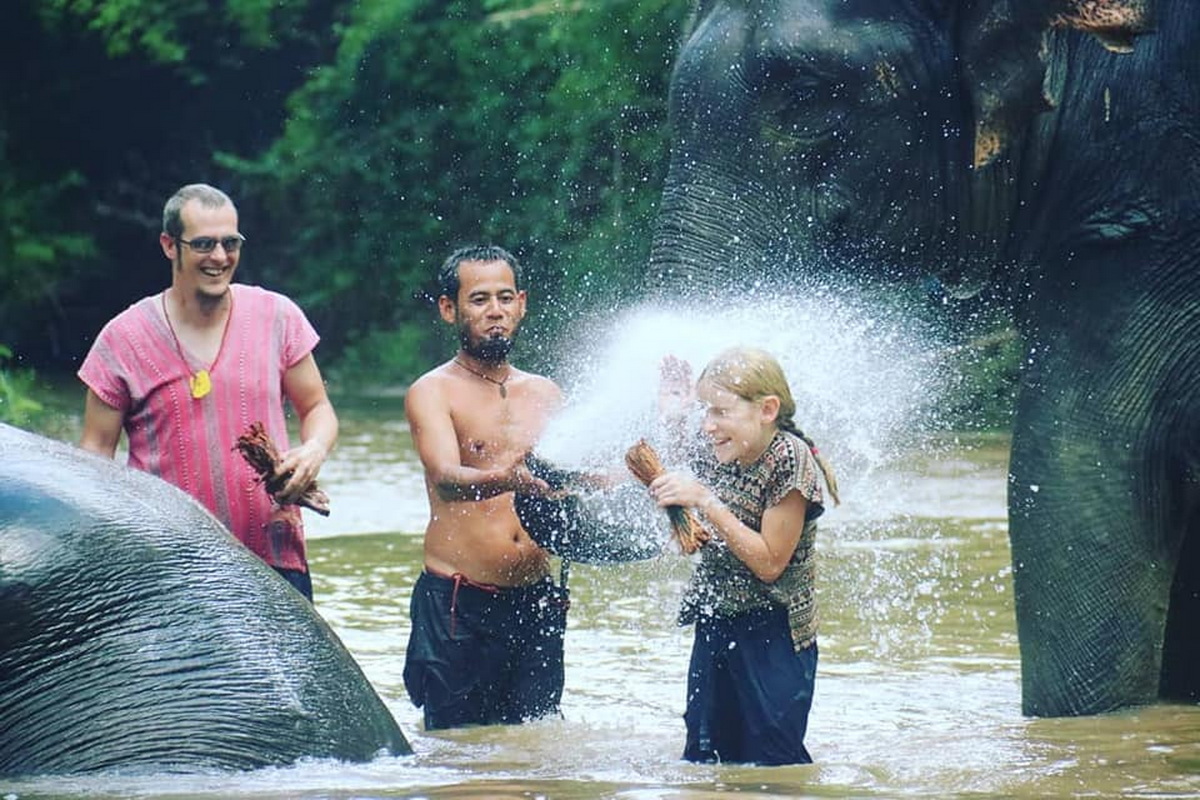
[[753, 374]]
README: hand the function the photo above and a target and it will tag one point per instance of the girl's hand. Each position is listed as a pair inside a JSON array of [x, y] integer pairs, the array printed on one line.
[[677, 489], [675, 388]]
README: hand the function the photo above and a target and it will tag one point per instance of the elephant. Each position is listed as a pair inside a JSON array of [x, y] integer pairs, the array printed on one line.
[[1046, 152], [591, 521], [137, 634]]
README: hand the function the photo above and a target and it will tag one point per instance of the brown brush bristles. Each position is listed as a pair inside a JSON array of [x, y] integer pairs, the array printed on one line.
[[262, 455], [645, 465]]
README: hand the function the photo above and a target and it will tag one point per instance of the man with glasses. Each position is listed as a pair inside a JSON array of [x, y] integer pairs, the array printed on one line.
[[186, 371]]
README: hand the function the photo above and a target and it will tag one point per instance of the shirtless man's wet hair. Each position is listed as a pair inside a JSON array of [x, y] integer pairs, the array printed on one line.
[[447, 278]]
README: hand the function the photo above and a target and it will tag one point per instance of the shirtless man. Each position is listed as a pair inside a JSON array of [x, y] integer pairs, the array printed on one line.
[[487, 619]]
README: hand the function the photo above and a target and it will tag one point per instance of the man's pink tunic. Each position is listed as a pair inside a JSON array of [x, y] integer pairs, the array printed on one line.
[[137, 367]]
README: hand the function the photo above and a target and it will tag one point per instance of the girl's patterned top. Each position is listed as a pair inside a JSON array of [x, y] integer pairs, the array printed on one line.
[[722, 586]]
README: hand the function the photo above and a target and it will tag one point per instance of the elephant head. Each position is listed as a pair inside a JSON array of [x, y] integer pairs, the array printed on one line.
[[1030, 147], [137, 633]]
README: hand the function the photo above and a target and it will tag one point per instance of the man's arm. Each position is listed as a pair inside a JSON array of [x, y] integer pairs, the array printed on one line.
[[437, 446], [101, 426], [305, 390]]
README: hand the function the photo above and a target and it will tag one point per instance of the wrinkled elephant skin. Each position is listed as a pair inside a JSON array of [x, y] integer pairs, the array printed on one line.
[[582, 520], [136, 633], [1049, 151]]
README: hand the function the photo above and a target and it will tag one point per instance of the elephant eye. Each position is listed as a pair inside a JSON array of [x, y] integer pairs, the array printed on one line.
[[800, 104], [784, 75]]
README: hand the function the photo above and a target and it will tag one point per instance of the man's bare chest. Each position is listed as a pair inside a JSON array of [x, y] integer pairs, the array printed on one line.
[[495, 436]]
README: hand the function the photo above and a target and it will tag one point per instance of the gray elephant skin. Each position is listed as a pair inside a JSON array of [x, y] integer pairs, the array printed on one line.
[[137, 633], [588, 520], [1049, 152]]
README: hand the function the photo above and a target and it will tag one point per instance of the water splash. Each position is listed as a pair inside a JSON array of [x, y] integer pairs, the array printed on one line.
[[867, 378], [861, 374]]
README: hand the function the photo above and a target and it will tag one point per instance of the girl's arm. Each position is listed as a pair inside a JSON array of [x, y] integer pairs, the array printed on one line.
[[766, 554]]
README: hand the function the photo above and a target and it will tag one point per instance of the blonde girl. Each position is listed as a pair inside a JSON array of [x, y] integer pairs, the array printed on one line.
[[754, 653]]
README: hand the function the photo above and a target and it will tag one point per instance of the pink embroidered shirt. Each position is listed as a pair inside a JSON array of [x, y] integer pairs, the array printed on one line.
[[137, 366]]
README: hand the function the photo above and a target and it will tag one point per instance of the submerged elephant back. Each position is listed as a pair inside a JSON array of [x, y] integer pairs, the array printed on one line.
[[137, 632]]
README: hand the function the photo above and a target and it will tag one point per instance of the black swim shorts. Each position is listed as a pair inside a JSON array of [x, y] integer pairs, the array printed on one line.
[[483, 655]]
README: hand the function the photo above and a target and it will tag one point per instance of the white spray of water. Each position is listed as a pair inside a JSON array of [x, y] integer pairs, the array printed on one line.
[[867, 379], [861, 376]]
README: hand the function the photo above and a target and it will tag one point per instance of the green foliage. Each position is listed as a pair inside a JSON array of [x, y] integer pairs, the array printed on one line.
[[536, 125], [983, 380], [130, 24], [107, 108], [35, 252], [17, 406], [363, 140], [380, 358], [173, 31]]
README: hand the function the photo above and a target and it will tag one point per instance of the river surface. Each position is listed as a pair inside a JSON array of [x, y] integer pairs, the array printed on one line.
[[918, 687]]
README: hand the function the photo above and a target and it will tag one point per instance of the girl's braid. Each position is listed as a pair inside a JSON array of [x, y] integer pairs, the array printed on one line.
[[831, 484]]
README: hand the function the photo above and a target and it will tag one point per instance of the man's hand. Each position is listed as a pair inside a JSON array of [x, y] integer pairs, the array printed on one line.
[[304, 464], [523, 481]]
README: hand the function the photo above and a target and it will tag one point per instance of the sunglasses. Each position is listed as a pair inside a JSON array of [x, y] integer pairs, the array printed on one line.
[[206, 244]]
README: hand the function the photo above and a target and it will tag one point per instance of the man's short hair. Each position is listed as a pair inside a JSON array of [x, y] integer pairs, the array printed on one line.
[[448, 279], [207, 196]]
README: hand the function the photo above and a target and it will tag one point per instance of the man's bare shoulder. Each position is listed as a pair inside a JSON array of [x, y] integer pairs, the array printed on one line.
[[534, 378], [540, 384], [433, 377], [430, 385], [441, 383]]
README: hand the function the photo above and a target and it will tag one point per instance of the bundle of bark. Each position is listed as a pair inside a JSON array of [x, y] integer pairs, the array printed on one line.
[[645, 465], [263, 456]]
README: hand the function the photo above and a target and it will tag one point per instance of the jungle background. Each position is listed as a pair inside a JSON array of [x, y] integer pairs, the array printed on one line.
[[362, 140]]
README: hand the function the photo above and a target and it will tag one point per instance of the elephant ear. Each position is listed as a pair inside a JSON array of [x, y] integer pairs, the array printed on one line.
[[1115, 23], [1004, 56]]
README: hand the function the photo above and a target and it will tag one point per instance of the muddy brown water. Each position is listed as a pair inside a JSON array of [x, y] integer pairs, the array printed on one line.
[[918, 687]]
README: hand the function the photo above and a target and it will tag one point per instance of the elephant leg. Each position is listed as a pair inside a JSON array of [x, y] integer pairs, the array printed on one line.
[[1091, 586], [1181, 645]]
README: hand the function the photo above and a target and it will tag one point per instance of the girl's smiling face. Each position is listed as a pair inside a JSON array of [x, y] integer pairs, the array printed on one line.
[[740, 430]]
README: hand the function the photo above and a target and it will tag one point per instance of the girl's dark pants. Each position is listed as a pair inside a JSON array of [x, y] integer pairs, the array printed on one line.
[[749, 691]]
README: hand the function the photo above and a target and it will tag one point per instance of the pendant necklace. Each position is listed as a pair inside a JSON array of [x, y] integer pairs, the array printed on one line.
[[489, 379], [199, 382]]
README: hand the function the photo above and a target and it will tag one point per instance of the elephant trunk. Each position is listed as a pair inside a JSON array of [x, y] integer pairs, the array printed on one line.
[[709, 238]]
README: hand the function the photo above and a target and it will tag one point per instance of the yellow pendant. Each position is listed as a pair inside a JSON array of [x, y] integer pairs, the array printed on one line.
[[200, 384]]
